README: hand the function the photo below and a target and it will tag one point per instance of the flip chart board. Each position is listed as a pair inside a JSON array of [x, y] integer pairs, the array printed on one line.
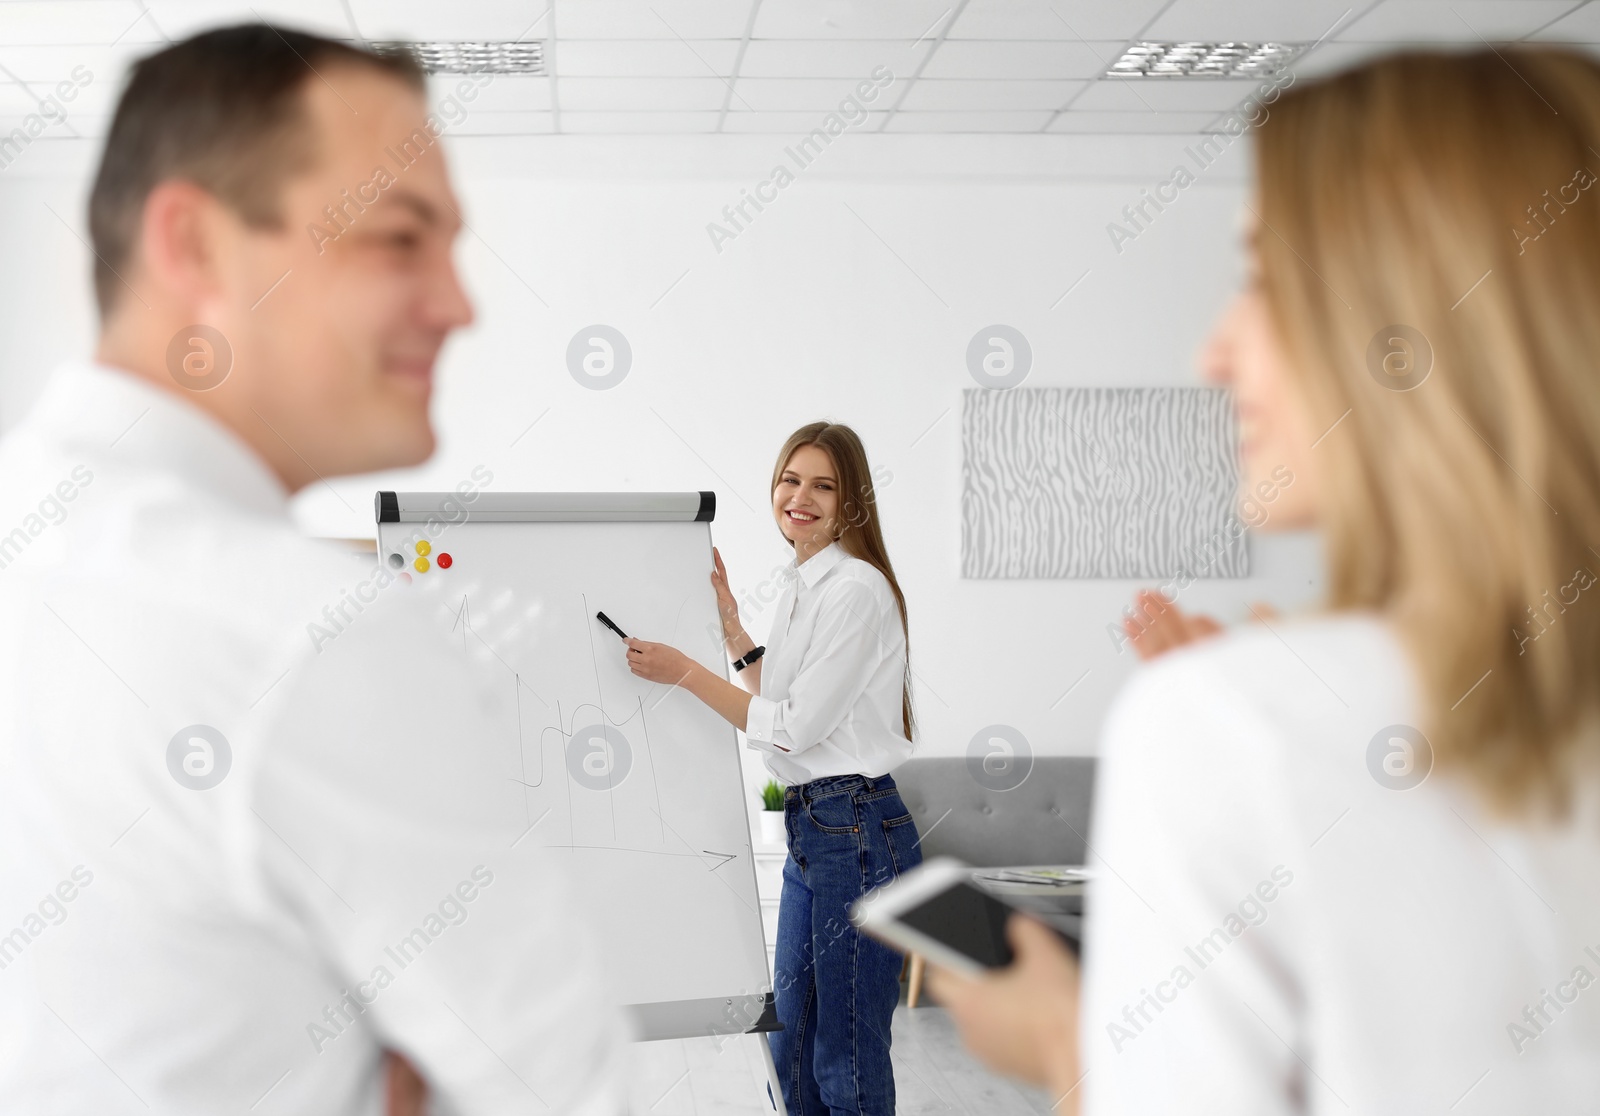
[[638, 782]]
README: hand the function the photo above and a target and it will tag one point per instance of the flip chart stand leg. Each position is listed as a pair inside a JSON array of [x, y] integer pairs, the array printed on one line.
[[772, 1070]]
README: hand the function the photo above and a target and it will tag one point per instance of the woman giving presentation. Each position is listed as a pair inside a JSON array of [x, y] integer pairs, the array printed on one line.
[[828, 702]]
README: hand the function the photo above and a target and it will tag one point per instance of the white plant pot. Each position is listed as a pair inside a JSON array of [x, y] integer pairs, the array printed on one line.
[[772, 830]]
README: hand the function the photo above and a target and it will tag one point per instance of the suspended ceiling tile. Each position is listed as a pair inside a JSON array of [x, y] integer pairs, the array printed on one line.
[[1333, 56], [96, 98], [1042, 19], [641, 94], [645, 57], [804, 94], [91, 127], [1038, 61], [655, 19], [932, 95], [1251, 20], [504, 124], [1582, 26], [182, 18], [823, 58], [75, 128], [54, 63], [1453, 20], [12, 117], [793, 124], [1175, 123], [432, 21], [500, 93], [968, 121], [639, 123], [17, 100], [1164, 95], [28, 22], [852, 19]]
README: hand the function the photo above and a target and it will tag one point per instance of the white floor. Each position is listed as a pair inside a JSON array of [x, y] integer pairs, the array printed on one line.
[[933, 1073]]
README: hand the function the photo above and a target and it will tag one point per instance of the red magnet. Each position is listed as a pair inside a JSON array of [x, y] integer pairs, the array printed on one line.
[[443, 561]]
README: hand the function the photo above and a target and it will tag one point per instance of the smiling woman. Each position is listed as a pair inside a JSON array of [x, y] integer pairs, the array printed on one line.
[[828, 702]]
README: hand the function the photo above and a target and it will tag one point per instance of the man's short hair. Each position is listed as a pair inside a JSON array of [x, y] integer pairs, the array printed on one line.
[[222, 110]]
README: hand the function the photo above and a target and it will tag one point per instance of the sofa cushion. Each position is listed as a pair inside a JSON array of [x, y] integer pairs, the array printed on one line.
[[1044, 820]]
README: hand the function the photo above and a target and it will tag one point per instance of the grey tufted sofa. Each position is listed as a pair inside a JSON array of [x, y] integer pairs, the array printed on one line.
[[1045, 820]]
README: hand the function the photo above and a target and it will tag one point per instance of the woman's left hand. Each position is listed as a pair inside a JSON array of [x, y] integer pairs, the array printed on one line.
[[658, 662], [1022, 1020]]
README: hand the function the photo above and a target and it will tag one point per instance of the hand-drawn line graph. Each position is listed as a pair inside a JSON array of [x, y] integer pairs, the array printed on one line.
[[606, 753], [567, 730]]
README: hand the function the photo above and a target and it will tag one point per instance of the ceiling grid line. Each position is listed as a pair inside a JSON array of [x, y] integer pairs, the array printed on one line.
[[973, 67], [1365, 12], [151, 16], [738, 63], [66, 122], [350, 18], [1088, 85], [1216, 121], [923, 65], [550, 68], [1551, 23]]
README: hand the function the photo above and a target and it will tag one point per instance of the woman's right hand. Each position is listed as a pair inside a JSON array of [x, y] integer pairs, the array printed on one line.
[[727, 607], [1022, 1020], [1166, 625]]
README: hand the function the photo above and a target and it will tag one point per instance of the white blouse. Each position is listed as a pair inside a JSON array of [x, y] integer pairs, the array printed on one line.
[[1297, 912], [832, 674], [249, 943]]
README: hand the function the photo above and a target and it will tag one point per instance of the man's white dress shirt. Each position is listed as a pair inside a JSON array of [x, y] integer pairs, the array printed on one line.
[[237, 861], [832, 674], [1295, 911]]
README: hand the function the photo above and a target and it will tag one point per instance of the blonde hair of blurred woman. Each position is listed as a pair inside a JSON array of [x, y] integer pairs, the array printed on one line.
[[1455, 196]]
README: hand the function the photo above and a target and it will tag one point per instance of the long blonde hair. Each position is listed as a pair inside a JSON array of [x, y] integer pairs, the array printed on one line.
[[861, 536], [1453, 194]]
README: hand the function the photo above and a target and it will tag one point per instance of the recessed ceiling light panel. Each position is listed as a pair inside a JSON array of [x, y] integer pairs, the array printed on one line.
[[515, 57], [1221, 60]]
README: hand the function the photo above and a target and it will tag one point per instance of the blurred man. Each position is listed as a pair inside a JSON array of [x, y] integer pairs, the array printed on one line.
[[241, 854]]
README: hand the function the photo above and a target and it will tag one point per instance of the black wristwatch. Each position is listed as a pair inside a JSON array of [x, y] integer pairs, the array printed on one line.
[[755, 653]]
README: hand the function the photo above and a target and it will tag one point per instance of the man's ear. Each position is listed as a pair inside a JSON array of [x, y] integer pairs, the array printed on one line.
[[179, 242]]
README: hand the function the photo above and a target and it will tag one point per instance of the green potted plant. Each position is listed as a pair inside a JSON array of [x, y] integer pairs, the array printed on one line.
[[772, 831]]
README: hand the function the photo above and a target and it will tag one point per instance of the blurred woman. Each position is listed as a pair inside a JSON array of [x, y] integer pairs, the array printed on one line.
[[1351, 862]]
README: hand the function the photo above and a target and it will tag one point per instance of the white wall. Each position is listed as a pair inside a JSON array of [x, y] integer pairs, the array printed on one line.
[[808, 314]]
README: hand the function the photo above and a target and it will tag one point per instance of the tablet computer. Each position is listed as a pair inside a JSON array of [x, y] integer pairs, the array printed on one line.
[[937, 911]]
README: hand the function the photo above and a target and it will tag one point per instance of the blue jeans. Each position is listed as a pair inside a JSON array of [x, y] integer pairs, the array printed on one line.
[[836, 989]]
